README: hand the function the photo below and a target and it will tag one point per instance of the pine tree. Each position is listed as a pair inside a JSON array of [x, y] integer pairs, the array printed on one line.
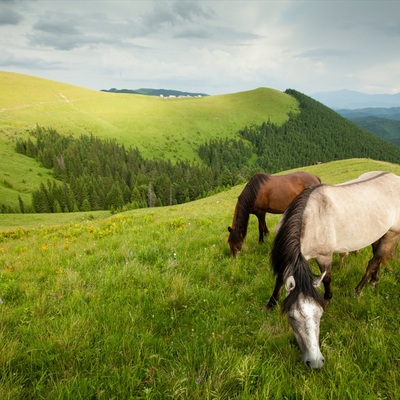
[[151, 196], [21, 205]]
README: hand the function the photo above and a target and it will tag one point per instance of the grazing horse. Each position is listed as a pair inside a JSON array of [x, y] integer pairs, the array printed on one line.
[[321, 221], [265, 193]]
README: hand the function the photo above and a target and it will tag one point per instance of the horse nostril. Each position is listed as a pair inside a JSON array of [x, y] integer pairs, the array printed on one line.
[[308, 363]]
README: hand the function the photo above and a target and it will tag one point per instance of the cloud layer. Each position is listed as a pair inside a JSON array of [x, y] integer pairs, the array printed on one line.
[[208, 46]]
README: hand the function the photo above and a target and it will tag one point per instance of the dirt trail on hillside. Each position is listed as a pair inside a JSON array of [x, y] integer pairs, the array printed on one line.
[[61, 96]]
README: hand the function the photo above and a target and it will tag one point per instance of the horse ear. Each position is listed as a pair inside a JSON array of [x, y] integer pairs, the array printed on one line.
[[290, 284], [229, 229], [318, 280]]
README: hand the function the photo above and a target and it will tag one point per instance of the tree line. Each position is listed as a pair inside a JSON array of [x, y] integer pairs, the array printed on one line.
[[100, 174]]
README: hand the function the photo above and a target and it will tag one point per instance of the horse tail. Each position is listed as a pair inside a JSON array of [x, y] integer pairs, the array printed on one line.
[[286, 256]]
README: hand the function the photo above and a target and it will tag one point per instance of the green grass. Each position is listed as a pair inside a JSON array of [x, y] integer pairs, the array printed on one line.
[[148, 304], [19, 175]]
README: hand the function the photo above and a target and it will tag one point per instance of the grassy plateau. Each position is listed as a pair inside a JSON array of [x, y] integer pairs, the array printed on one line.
[[149, 304]]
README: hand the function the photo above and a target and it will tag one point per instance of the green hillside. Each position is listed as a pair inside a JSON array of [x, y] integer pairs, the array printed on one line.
[[159, 127], [149, 304], [383, 122], [167, 128], [388, 129]]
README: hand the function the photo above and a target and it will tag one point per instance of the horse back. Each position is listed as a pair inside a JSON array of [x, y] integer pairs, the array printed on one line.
[[279, 191], [351, 215]]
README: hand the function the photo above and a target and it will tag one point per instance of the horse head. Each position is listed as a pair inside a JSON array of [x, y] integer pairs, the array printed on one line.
[[304, 315], [235, 240]]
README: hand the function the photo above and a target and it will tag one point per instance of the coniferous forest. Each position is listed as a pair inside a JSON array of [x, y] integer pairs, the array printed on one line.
[[101, 175]]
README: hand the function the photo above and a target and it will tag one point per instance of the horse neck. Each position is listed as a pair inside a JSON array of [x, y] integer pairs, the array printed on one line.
[[286, 250], [241, 218]]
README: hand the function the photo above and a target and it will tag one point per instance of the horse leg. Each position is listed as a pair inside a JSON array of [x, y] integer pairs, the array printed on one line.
[[341, 258], [262, 227], [372, 269], [275, 295], [382, 250], [374, 276], [325, 265]]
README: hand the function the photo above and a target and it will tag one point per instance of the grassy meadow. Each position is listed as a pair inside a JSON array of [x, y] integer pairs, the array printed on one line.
[[148, 304]]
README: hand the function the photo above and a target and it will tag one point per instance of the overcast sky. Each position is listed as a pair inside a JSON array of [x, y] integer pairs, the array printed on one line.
[[212, 47]]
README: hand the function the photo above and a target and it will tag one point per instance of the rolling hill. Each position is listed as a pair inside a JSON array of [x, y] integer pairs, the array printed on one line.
[[262, 129], [167, 128], [159, 127]]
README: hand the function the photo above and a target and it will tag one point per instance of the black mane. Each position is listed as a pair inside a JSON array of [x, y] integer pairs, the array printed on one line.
[[286, 257], [246, 202], [250, 191]]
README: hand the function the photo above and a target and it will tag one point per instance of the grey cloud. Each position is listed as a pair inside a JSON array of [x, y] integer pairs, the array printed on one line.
[[190, 20], [8, 59], [59, 42], [160, 15], [175, 14], [57, 27], [58, 31], [217, 34], [66, 32], [387, 29], [9, 16], [324, 53], [189, 10], [193, 33]]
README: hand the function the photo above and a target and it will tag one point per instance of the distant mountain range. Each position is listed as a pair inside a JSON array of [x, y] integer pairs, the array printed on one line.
[[383, 122], [156, 92], [347, 99]]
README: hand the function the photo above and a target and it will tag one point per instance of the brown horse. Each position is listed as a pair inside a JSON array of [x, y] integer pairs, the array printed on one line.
[[265, 193]]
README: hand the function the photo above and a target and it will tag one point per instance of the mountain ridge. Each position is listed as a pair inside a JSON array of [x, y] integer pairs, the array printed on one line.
[[156, 92], [348, 99]]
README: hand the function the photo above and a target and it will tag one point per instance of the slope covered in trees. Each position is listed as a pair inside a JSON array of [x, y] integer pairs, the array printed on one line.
[[98, 174], [382, 122], [317, 134]]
